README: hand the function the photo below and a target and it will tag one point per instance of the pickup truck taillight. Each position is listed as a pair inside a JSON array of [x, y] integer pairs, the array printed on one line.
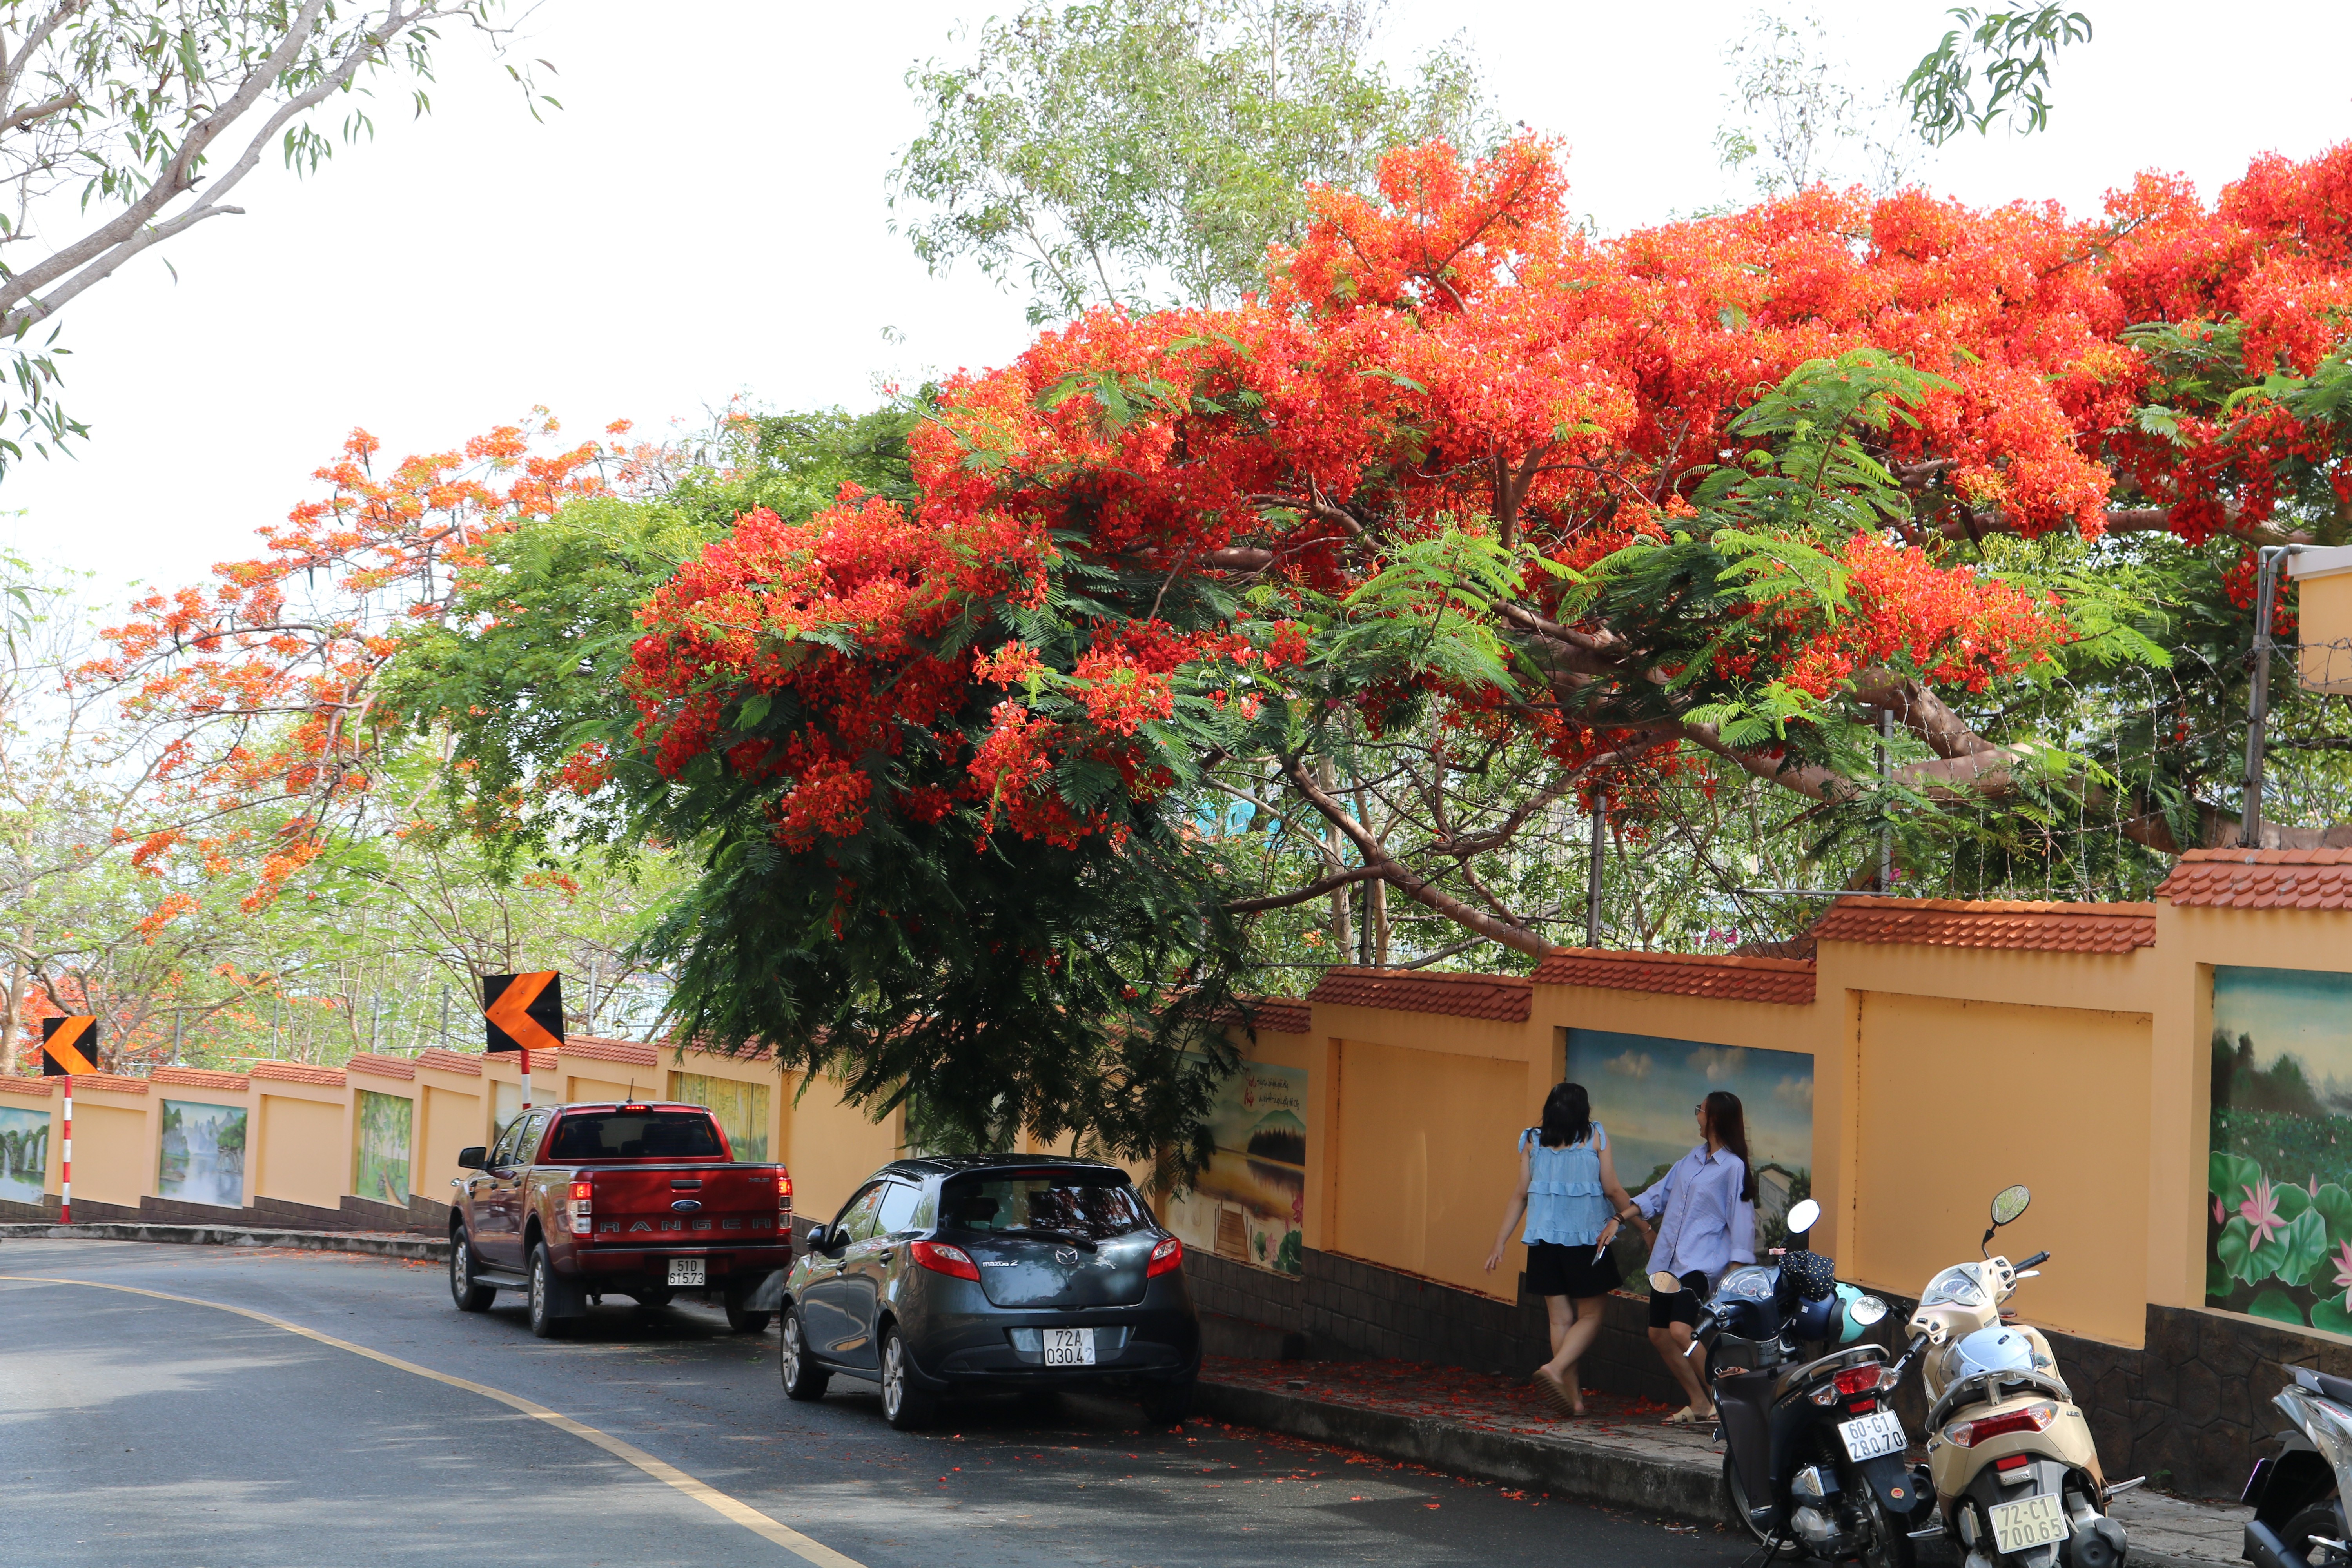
[[583, 1213], [784, 1202]]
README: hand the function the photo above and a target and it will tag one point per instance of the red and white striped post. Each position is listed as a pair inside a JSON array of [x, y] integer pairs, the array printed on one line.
[[526, 1078], [65, 1161]]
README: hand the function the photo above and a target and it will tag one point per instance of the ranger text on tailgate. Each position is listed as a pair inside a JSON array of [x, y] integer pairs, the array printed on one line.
[[576, 1203]]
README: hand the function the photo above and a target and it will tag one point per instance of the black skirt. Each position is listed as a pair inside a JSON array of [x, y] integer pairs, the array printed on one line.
[[1557, 1270]]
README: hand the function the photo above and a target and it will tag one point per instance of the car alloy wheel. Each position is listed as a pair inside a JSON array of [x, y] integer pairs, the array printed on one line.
[[469, 1296], [543, 1322], [804, 1378], [904, 1406]]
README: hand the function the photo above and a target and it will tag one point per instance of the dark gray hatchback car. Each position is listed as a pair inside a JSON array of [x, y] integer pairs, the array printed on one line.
[[992, 1273]]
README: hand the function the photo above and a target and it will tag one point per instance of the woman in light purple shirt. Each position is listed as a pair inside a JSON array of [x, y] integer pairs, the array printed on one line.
[[1708, 1199]]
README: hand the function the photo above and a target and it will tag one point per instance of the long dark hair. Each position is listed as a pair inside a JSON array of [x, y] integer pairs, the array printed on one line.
[[1568, 1115], [1729, 1124]]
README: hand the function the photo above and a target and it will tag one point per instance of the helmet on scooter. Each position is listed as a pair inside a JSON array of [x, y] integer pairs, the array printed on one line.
[[1814, 1277], [1992, 1350]]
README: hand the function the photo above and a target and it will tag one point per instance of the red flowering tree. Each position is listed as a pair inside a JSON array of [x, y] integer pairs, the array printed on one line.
[[1706, 496]]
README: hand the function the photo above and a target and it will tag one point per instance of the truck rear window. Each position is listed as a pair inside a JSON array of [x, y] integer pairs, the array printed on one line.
[[1090, 1206], [634, 1135]]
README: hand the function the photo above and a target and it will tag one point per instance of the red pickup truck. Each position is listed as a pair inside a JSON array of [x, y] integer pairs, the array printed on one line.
[[575, 1202]]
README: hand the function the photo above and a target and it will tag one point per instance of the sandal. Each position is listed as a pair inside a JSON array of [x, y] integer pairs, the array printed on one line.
[[1555, 1392], [1686, 1416]]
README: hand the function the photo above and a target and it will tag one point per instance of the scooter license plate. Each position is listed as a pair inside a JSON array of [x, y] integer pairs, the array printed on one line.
[[1872, 1435], [2028, 1522]]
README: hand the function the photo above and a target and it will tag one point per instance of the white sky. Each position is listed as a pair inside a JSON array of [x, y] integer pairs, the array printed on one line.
[[705, 217]]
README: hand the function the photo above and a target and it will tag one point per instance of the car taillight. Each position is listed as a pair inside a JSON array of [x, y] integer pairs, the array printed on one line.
[[1166, 1258], [583, 1213], [2036, 1417], [784, 1201], [940, 1257]]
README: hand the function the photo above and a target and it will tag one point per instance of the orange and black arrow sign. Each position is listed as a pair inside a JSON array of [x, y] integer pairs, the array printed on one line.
[[525, 1011], [68, 1046]]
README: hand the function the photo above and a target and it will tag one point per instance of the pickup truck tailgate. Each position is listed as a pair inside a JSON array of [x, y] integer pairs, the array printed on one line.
[[668, 1204]]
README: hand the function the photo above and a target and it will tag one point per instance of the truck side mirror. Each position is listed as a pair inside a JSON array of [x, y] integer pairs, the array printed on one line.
[[473, 1158]]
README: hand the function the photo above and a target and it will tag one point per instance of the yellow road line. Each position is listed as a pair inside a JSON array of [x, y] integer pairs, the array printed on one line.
[[710, 1496]]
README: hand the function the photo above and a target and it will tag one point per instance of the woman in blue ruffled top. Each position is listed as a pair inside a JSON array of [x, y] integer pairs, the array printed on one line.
[[1568, 1191]]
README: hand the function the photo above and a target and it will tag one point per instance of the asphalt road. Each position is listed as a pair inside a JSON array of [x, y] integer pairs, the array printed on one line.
[[135, 1431]]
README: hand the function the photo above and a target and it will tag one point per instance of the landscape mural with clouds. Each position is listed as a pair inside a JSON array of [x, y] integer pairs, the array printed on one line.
[[1642, 1089]]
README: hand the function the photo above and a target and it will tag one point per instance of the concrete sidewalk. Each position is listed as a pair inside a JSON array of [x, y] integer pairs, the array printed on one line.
[[1496, 1428], [376, 1242]]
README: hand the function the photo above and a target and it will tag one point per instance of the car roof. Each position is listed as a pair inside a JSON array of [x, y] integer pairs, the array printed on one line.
[[925, 1166]]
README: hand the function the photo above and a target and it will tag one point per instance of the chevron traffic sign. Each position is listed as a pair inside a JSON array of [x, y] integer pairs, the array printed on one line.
[[525, 1013], [68, 1046]]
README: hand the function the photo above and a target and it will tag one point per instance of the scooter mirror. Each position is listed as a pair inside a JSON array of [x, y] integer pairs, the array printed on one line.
[[1803, 1215], [1664, 1284], [2010, 1203]]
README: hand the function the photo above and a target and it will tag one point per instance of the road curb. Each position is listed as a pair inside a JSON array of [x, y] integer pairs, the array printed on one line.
[[372, 1243], [1590, 1472]]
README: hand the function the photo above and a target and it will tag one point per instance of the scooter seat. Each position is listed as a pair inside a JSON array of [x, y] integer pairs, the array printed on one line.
[[2338, 1389]]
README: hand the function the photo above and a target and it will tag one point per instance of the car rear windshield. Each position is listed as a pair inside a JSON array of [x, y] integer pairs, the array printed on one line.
[[635, 1135], [1094, 1206]]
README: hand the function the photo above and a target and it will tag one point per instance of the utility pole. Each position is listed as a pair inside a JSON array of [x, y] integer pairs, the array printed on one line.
[[2258, 698], [1593, 871]]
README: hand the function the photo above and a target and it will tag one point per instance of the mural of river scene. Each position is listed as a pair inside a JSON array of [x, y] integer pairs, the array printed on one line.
[[380, 1160], [2279, 1178], [24, 1154], [1643, 1087], [203, 1159], [1250, 1205]]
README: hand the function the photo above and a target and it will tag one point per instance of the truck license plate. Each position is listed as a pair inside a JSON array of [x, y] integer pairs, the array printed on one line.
[[2027, 1522], [1069, 1347], [687, 1271], [1869, 1437]]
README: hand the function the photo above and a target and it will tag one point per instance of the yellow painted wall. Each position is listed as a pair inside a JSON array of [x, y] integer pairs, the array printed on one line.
[[594, 1088], [833, 1147], [450, 1120], [306, 1155], [1955, 1100], [113, 1150], [1425, 1159]]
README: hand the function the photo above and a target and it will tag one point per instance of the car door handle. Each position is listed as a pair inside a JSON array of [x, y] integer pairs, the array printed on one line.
[[886, 1255]]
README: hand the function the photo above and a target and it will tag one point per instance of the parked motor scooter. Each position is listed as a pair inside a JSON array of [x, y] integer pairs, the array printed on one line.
[[2009, 1454], [2298, 1493], [1813, 1448]]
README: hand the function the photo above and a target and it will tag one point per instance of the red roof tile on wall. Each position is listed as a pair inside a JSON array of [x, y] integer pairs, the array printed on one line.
[[2261, 879], [110, 1083], [1282, 1015], [630, 1053], [449, 1061], [1723, 977], [2025, 926], [381, 1066], [13, 1084], [1506, 998], [298, 1072], [199, 1077]]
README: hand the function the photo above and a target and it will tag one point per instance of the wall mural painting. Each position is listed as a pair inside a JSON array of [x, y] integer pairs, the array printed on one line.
[[24, 1154], [203, 1158], [741, 1109], [2279, 1179], [379, 1157], [1643, 1087], [1250, 1204]]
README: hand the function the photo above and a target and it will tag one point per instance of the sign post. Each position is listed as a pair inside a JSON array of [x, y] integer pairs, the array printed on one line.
[[68, 1046], [524, 1013]]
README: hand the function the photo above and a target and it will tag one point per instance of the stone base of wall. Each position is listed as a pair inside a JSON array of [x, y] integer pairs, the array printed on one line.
[[422, 1215], [1341, 1308], [2191, 1411]]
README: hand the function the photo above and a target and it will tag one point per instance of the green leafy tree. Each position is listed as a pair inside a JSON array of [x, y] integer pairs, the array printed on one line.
[[1142, 151]]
